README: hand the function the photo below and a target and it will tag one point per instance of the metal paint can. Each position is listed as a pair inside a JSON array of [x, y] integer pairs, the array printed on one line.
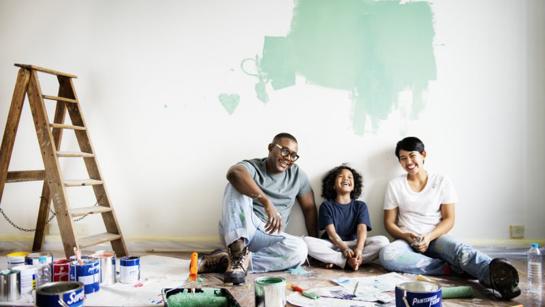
[[87, 273], [62, 294], [10, 285], [270, 291], [16, 259], [34, 258], [418, 294], [61, 270], [107, 267], [129, 269], [28, 277]]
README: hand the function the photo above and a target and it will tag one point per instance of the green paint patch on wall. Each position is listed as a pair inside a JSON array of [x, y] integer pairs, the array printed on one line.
[[229, 101], [374, 49]]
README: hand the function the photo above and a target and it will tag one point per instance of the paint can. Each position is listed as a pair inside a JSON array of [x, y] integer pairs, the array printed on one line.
[[61, 270], [129, 269], [270, 291], [10, 285], [34, 258], [107, 267], [16, 259], [418, 294], [87, 273], [28, 277], [61, 294]]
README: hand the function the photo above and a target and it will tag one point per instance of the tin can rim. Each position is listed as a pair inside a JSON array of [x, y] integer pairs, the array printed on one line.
[[73, 285], [270, 280], [409, 287]]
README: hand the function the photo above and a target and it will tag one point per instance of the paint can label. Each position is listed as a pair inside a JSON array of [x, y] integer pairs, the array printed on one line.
[[61, 294], [28, 277], [129, 269], [270, 291], [418, 294], [87, 273], [61, 270]]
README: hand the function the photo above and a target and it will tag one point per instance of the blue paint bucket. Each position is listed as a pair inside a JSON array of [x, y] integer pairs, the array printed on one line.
[[63, 293], [87, 273], [418, 294], [129, 269]]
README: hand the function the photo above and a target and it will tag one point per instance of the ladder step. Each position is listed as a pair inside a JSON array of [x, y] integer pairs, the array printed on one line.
[[63, 99], [46, 70], [79, 183], [97, 239], [74, 154], [20, 176], [63, 126], [75, 212]]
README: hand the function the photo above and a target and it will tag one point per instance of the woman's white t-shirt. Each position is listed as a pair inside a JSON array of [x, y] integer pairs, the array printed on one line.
[[419, 212]]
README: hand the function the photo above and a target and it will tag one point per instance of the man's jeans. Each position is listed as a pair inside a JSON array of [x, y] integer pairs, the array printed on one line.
[[400, 257], [269, 252]]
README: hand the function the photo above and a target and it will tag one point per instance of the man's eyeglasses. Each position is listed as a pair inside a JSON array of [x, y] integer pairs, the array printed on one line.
[[285, 152]]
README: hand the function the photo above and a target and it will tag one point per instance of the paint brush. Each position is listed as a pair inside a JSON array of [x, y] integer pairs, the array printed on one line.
[[307, 294], [356, 288], [193, 269], [77, 253]]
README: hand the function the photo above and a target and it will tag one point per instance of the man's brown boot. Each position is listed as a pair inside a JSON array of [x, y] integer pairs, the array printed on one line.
[[239, 261]]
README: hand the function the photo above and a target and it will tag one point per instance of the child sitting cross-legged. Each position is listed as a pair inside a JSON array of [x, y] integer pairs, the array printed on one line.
[[346, 223]]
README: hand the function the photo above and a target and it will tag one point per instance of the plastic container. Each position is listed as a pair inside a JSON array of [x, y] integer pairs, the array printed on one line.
[[535, 273], [44, 271]]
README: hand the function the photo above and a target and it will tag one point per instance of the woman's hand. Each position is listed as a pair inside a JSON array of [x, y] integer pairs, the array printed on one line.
[[274, 223]]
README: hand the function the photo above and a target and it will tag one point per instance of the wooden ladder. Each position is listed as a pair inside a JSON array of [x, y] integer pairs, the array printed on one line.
[[49, 138]]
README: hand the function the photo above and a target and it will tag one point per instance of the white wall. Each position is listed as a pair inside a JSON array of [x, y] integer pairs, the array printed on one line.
[[149, 76]]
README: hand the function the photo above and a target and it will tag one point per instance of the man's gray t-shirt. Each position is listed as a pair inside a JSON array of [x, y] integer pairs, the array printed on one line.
[[281, 188]]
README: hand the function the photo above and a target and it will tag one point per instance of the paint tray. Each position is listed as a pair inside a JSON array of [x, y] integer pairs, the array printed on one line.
[[176, 297]]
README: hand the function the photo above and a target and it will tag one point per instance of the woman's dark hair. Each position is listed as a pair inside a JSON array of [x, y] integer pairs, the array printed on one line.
[[410, 143], [328, 183]]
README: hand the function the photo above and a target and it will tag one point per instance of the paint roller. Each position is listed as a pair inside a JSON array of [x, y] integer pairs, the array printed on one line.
[[451, 292], [194, 266]]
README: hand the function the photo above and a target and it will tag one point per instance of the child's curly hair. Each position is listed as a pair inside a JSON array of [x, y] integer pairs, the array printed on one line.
[[328, 183]]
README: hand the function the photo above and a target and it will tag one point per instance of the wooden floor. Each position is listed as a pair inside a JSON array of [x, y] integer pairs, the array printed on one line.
[[320, 277]]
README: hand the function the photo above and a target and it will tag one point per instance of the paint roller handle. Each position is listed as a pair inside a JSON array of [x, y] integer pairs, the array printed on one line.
[[193, 266]]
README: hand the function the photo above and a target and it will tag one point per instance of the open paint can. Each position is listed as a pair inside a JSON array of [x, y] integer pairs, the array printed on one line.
[[418, 294], [270, 291], [61, 294]]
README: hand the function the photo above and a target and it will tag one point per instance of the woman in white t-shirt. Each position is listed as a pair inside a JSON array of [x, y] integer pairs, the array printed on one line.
[[418, 213]]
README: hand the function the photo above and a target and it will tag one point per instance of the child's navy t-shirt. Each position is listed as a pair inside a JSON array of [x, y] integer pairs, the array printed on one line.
[[345, 218]]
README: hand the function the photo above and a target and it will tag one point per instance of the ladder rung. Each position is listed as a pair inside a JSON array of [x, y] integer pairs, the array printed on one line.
[[20, 176], [63, 99], [97, 239], [75, 212], [74, 154], [46, 70], [80, 183], [63, 126]]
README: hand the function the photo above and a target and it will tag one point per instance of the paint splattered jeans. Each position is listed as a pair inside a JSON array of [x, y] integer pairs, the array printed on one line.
[[400, 257], [269, 252]]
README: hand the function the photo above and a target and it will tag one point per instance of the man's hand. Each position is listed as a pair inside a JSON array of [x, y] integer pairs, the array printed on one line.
[[274, 223], [423, 244]]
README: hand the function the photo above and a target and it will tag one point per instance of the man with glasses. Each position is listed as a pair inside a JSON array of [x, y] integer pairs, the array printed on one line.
[[256, 206]]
